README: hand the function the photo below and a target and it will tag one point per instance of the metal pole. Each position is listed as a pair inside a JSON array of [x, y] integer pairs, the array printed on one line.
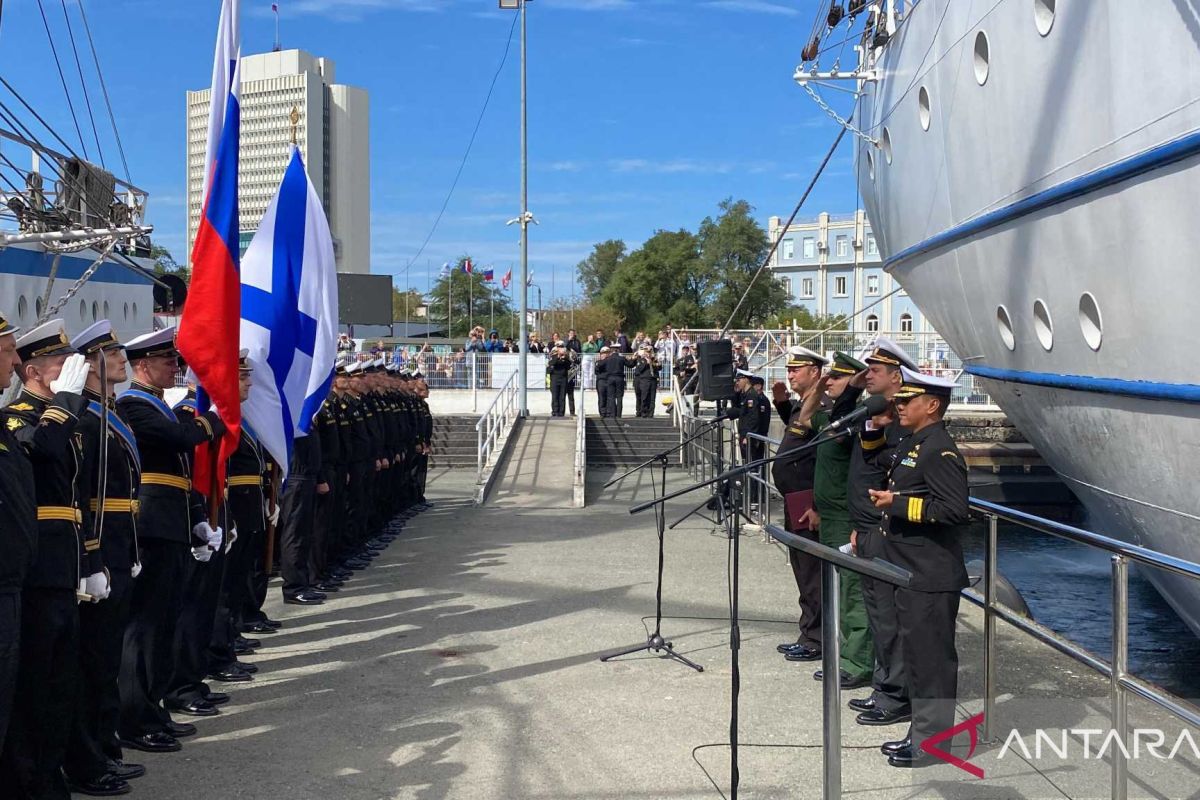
[[989, 628], [475, 381], [523, 366], [1120, 666], [831, 707]]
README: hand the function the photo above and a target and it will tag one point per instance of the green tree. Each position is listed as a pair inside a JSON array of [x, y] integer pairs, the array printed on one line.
[[165, 263], [405, 304], [470, 299], [732, 247], [597, 269], [662, 281], [806, 320]]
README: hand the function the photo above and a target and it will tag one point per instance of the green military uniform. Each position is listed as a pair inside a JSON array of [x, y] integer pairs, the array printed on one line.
[[829, 496]]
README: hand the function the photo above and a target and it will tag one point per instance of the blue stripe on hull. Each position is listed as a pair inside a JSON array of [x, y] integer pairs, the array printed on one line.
[[37, 264], [1126, 169], [1146, 390]]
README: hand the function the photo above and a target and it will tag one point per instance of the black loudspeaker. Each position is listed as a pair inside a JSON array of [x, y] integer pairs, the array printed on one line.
[[715, 367]]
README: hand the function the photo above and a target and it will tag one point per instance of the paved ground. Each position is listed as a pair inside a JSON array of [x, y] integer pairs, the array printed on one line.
[[463, 665]]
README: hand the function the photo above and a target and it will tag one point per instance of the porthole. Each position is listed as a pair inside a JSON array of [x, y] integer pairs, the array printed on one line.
[[22, 308], [37, 307], [83, 310], [1043, 15], [105, 309], [1042, 325], [923, 107], [1090, 321], [95, 311], [134, 311], [982, 58], [885, 144], [127, 312], [1004, 326], [871, 163]]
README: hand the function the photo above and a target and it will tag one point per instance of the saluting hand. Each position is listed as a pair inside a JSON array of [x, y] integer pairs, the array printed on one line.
[[779, 391]]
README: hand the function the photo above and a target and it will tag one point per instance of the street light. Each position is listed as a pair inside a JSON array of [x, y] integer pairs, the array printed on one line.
[[525, 218]]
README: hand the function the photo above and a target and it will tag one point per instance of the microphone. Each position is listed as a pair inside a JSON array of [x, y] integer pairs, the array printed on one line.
[[874, 406]]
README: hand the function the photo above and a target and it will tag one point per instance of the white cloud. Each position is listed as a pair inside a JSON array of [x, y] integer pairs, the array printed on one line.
[[756, 6]]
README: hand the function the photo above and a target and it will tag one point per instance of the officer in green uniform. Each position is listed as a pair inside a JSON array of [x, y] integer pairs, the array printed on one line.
[[831, 513]]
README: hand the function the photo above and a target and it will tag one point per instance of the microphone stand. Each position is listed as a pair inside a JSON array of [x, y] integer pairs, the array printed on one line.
[[656, 643], [733, 529]]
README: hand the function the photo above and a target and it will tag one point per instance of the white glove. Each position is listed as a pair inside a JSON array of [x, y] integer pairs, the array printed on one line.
[[73, 375], [273, 515], [202, 530], [230, 539], [98, 586], [215, 536], [136, 570], [202, 553]]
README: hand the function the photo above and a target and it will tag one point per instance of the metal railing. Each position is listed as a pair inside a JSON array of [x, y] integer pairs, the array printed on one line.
[[580, 448], [1115, 668], [495, 424]]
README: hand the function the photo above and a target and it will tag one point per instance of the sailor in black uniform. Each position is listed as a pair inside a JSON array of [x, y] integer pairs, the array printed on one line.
[[43, 419], [925, 511]]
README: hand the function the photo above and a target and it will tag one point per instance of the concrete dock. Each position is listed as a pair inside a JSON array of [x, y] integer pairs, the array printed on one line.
[[463, 664]]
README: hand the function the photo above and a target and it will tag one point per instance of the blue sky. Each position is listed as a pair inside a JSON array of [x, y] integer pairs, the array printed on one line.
[[644, 114]]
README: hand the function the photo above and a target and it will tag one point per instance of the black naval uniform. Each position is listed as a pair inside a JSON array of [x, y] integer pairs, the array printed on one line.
[[113, 509], [297, 515], [796, 475], [425, 440], [18, 542], [615, 373], [870, 457], [645, 382], [600, 375], [922, 532], [167, 510], [558, 367], [48, 673], [328, 428]]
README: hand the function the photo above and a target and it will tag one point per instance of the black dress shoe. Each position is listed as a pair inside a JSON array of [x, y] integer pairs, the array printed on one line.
[[152, 743], [908, 758], [890, 748], [253, 644], [125, 771], [786, 646], [327, 588], [259, 627], [107, 785], [231, 675], [303, 599], [216, 698], [356, 565], [862, 705], [274, 623], [846, 680], [245, 666], [878, 716], [803, 653], [179, 730], [242, 650], [195, 708]]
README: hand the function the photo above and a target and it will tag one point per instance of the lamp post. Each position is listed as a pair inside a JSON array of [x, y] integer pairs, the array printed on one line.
[[524, 219]]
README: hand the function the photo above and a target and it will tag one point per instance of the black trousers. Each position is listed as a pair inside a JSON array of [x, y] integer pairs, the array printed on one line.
[[806, 570], [324, 520], [422, 476], [148, 658], [889, 680], [643, 391], [571, 397], [616, 397], [602, 395], [927, 638], [295, 536], [356, 503], [47, 688], [98, 711], [558, 395], [194, 630], [235, 586], [10, 648]]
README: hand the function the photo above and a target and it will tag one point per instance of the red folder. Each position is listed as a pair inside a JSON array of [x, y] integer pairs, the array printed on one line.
[[797, 504]]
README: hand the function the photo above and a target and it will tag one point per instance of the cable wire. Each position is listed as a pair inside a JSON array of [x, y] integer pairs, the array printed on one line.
[[471, 143], [63, 78], [83, 83], [104, 90]]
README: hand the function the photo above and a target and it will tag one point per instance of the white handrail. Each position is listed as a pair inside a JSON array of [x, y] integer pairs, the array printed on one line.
[[494, 423]]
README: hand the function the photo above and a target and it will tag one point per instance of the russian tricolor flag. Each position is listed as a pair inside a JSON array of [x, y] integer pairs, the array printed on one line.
[[208, 329]]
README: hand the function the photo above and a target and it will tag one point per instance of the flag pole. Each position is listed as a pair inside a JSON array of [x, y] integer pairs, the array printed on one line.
[[471, 297]]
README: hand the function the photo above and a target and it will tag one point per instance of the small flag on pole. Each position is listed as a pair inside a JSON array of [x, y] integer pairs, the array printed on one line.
[[466, 267], [445, 270], [506, 280], [489, 274]]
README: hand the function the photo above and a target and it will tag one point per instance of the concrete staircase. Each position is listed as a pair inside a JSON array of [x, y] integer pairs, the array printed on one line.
[[454, 441], [628, 441]]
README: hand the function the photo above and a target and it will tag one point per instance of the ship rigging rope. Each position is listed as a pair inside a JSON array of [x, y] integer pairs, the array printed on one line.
[[104, 90], [462, 165], [783, 231], [83, 83], [63, 78]]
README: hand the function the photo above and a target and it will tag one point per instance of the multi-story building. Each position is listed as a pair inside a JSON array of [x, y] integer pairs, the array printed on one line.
[[831, 265], [332, 136]]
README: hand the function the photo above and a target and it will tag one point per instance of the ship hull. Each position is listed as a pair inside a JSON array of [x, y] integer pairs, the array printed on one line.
[[1045, 224]]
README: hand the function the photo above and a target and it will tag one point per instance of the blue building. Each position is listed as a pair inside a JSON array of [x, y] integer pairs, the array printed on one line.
[[831, 265]]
